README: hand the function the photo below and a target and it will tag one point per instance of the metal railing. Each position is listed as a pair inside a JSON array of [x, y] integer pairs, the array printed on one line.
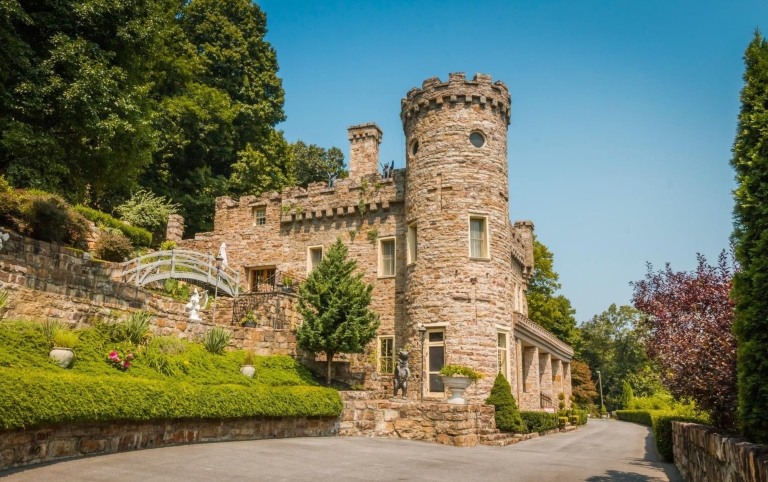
[[546, 401], [196, 268]]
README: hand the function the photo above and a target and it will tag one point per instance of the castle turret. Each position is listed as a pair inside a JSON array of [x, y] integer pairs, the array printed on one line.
[[364, 140], [462, 274]]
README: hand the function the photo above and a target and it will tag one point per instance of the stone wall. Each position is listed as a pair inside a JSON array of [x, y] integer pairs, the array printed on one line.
[[704, 455], [47, 281], [459, 425], [26, 447]]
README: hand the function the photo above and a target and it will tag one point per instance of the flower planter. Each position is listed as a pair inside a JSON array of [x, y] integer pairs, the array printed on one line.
[[250, 324], [456, 385], [248, 370], [62, 356], [287, 289]]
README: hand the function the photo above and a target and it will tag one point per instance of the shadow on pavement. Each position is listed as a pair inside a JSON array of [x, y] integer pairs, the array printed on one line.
[[651, 459]]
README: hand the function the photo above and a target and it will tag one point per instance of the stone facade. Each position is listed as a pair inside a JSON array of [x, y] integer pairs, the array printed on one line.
[[702, 455], [461, 267], [45, 444]]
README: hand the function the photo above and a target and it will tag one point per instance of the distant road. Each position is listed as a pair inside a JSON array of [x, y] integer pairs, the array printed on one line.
[[603, 450]]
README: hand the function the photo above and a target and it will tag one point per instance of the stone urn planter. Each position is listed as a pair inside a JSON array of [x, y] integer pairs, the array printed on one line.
[[456, 385], [62, 356], [248, 370]]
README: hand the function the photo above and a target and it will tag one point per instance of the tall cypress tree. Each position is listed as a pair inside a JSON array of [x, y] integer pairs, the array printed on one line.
[[750, 236], [333, 303]]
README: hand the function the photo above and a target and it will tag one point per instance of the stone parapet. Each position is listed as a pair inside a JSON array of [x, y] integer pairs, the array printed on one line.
[[26, 447], [703, 455], [459, 425]]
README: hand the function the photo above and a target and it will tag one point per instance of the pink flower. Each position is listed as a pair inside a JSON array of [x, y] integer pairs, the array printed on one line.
[[126, 364], [113, 355]]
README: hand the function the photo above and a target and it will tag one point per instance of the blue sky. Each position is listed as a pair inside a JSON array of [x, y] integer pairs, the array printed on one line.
[[623, 117]]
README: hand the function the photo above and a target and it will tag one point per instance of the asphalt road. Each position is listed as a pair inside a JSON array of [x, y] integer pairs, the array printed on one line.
[[602, 450]]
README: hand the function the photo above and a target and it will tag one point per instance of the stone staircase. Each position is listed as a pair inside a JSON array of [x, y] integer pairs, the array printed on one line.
[[497, 438]]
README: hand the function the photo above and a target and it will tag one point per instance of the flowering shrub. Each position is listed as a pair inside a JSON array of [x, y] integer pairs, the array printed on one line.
[[120, 359]]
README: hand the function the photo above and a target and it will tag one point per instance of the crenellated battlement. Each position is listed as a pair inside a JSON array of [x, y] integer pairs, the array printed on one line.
[[434, 94]]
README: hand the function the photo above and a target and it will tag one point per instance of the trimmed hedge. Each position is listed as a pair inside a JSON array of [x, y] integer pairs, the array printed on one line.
[[138, 236], [32, 398], [575, 416], [661, 423], [169, 378], [539, 421]]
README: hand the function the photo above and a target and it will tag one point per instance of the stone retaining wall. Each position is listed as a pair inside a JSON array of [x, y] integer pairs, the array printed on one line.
[[702, 454], [459, 425], [26, 447]]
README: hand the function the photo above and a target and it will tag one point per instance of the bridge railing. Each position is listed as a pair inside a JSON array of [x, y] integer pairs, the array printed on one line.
[[181, 264]]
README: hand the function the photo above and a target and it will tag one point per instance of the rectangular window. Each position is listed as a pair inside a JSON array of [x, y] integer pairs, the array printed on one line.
[[260, 216], [478, 237], [435, 361], [502, 355], [387, 354], [387, 257], [314, 257], [412, 239]]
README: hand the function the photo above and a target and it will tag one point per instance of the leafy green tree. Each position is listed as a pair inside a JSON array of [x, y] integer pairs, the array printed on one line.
[[216, 110], [507, 414], [750, 285], [627, 395], [612, 343], [313, 163], [333, 302], [74, 115], [545, 307]]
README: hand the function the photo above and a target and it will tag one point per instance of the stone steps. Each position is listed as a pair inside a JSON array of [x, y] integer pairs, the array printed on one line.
[[496, 438]]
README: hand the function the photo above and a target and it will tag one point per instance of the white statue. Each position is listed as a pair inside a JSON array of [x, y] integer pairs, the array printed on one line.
[[195, 302]]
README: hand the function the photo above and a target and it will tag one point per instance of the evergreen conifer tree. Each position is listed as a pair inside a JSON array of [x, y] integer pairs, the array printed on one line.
[[333, 302], [750, 160], [507, 415], [626, 395]]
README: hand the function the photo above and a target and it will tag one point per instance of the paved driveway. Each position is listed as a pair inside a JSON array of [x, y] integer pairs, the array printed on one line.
[[603, 450]]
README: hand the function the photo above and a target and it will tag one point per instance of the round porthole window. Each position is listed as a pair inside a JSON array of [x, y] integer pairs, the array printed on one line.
[[477, 139], [414, 147]]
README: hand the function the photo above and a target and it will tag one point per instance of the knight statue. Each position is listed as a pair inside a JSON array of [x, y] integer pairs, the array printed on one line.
[[402, 373]]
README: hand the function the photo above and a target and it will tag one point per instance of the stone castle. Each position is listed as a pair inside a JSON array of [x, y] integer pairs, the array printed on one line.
[[434, 238]]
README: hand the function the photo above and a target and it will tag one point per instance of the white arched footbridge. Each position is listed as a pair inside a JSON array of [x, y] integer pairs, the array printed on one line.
[[191, 266]]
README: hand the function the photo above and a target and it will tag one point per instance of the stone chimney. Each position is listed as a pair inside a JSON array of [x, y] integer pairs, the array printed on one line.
[[364, 141]]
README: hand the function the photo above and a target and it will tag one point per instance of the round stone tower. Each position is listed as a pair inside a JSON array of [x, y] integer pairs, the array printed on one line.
[[462, 283]]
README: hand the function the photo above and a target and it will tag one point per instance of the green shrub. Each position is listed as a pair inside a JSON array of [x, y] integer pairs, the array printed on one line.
[[460, 371], [64, 339], [113, 247], [50, 327], [248, 358], [643, 417], [167, 245], [507, 415], [575, 416], [147, 210], [216, 340], [535, 422], [137, 235], [44, 216]]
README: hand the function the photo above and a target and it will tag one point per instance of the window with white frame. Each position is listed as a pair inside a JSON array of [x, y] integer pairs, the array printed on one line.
[[386, 257], [386, 354], [478, 236], [412, 239], [314, 256], [259, 216], [503, 355]]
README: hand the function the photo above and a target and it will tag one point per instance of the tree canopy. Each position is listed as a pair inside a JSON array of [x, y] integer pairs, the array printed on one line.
[[545, 307], [313, 163], [750, 161]]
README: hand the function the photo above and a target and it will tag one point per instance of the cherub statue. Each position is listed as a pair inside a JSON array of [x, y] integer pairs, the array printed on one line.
[[195, 303], [402, 373]]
